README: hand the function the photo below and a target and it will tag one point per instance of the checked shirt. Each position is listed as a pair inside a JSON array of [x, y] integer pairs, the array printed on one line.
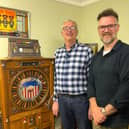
[[71, 70]]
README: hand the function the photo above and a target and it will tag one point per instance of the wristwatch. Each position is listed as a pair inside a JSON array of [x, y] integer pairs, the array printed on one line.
[[103, 111]]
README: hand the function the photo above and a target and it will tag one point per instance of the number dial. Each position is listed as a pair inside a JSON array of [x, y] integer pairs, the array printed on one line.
[[29, 88]]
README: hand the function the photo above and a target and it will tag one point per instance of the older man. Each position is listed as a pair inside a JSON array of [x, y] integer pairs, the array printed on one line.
[[71, 72]]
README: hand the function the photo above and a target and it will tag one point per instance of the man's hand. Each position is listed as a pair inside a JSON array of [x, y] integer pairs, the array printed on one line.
[[90, 117], [110, 109], [55, 108], [97, 114]]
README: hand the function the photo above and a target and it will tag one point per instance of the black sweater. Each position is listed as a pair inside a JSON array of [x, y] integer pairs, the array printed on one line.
[[109, 83]]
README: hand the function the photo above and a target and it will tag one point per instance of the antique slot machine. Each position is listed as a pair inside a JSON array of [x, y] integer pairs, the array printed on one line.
[[26, 86], [26, 79]]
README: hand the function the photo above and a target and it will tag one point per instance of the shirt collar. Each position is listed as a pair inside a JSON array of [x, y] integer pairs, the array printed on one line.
[[116, 47], [72, 47]]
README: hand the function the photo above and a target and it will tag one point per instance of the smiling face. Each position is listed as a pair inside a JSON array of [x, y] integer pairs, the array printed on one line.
[[69, 31], [108, 28]]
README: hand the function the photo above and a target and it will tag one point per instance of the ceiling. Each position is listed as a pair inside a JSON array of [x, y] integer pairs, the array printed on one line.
[[78, 2]]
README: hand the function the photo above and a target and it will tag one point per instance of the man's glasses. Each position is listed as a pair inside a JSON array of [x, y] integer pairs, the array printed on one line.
[[66, 28], [110, 26]]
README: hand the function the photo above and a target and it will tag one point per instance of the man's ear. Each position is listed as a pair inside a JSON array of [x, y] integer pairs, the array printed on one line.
[[118, 27]]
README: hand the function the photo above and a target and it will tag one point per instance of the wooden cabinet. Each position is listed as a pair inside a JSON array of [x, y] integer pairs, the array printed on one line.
[[26, 88]]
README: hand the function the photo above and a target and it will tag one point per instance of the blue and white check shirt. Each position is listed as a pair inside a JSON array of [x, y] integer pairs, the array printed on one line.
[[71, 70]]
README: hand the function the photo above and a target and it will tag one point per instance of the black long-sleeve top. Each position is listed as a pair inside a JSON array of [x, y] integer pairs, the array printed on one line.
[[109, 83]]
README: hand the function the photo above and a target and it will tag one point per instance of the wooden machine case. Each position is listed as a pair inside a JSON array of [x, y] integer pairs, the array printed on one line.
[[26, 88]]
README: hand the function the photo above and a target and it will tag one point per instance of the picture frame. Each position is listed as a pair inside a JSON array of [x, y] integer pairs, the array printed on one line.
[[93, 46], [14, 23]]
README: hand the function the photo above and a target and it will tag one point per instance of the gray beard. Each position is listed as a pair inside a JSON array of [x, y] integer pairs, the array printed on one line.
[[108, 42]]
